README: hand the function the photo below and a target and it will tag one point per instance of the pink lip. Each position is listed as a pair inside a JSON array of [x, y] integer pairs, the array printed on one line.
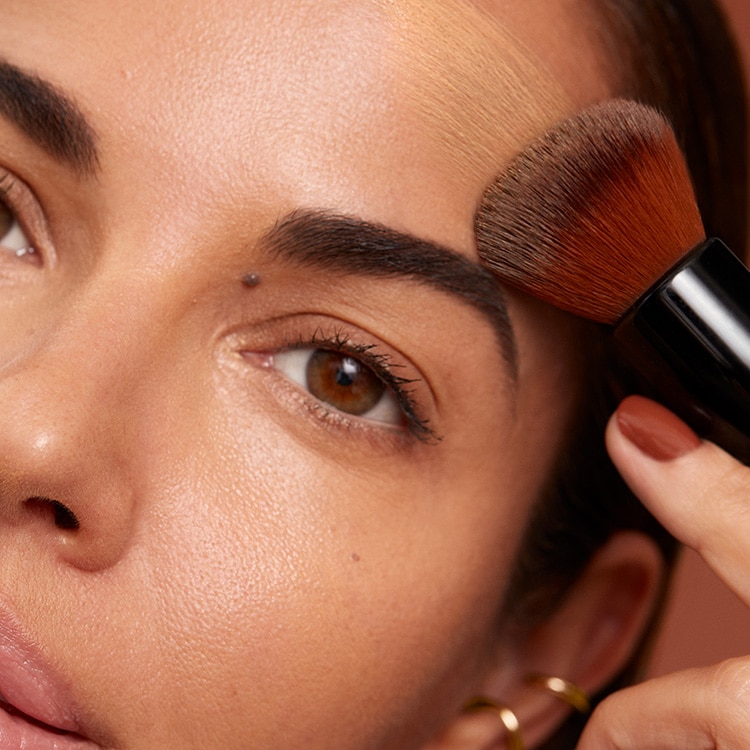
[[48, 716]]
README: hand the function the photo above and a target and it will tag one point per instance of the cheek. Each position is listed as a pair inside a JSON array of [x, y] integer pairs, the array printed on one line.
[[288, 580], [302, 583], [285, 588]]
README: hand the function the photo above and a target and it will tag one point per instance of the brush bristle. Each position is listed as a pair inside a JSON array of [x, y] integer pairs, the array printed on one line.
[[593, 213]]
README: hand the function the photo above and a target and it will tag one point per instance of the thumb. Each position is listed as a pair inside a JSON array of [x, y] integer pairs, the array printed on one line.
[[699, 708]]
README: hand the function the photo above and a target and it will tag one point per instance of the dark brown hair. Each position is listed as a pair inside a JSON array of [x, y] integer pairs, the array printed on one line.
[[678, 56]]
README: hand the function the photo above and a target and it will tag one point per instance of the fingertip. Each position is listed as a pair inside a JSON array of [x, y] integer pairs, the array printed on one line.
[[694, 488], [652, 429]]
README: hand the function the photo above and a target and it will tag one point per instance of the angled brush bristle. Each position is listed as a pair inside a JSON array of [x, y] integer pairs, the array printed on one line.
[[593, 213]]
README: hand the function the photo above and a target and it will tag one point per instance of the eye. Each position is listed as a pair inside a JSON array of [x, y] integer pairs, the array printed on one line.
[[341, 381], [13, 239], [347, 376]]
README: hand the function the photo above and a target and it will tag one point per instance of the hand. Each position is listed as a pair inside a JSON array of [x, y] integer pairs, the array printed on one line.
[[702, 495]]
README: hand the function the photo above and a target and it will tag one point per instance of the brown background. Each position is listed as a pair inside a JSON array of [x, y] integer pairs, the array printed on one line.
[[705, 622]]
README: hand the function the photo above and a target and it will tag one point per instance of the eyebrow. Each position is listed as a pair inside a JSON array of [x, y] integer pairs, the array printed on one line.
[[50, 118], [350, 246]]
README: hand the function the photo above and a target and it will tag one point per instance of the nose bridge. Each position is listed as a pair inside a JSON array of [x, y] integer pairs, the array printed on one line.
[[93, 351], [68, 424]]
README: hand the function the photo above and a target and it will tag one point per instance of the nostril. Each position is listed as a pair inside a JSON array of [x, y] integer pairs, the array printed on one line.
[[63, 517]]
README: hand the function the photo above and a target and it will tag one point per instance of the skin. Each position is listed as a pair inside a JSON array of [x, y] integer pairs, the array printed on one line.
[[253, 569]]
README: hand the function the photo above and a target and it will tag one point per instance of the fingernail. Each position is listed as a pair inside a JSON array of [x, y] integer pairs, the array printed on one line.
[[654, 430]]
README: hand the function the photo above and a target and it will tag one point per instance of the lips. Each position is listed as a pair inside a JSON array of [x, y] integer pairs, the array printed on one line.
[[36, 710]]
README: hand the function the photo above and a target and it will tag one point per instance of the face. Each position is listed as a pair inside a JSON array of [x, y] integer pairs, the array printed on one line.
[[264, 467]]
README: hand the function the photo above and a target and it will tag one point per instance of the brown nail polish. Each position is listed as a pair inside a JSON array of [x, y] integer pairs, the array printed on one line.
[[654, 430]]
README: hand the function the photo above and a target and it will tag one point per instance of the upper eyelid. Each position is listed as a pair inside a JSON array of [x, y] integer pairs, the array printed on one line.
[[326, 329], [326, 241]]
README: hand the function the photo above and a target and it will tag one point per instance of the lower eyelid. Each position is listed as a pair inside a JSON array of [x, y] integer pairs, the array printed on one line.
[[380, 434]]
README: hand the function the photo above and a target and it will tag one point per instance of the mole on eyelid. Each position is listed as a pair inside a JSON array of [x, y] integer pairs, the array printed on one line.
[[251, 280]]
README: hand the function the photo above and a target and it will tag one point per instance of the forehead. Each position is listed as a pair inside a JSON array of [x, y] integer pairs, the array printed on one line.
[[353, 105], [480, 90]]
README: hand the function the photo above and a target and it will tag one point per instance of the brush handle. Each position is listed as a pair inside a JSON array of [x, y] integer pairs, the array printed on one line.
[[689, 335]]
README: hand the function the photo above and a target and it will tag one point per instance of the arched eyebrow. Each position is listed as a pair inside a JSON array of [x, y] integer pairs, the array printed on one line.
[[348, 245], [48, 117]]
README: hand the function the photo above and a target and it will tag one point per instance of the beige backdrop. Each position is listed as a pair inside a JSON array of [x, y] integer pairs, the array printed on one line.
[[705, 622]]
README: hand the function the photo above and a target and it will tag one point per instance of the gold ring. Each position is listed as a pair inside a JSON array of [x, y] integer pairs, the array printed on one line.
[[566, 691], [509, 719]]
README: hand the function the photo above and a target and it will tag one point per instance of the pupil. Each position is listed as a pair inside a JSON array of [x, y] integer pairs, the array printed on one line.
[[346, 372]]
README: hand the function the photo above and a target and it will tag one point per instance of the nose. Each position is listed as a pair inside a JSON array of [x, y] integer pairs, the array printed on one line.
[[66, 483]]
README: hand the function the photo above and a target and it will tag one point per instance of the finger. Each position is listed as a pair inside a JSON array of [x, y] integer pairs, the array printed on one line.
[[699, 709], [699, 492]]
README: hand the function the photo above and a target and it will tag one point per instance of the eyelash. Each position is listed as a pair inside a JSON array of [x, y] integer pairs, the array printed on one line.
[[383, 368]]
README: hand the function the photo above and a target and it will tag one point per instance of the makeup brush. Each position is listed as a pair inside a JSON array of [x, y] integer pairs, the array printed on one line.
[[598, 217]]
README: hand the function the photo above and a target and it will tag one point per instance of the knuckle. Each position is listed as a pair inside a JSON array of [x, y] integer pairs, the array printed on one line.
[[732, 482], [725, 488]]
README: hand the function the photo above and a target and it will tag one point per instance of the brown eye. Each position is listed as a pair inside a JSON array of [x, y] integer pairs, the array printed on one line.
[[343, 382], [340, 381]]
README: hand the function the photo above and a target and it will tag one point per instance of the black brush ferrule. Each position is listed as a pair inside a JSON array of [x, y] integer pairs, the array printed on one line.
[[689, 336]]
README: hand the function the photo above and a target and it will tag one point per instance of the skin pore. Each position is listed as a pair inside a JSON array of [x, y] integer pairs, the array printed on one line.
[[252, 568]]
